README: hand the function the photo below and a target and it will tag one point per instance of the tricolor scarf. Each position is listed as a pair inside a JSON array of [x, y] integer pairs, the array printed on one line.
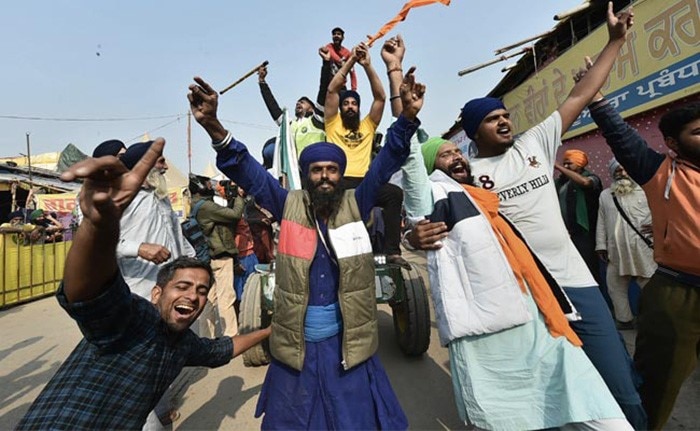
[[524, 266]]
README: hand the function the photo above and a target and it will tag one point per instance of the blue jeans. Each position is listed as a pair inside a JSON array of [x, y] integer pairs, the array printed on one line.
[[248, 263], [606, 350]]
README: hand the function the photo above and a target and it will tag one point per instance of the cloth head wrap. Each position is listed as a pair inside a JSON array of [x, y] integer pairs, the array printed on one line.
[[307, 100], [613, 164], [577, 156], [36, 214], [430, 149], [268, 152], [322, 152], [108, 148], [134, 153], [476, 110], [349, 93], [16, 214]]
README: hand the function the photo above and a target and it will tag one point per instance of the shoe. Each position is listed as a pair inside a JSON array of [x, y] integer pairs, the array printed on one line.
[[397, 259], [625, 326]]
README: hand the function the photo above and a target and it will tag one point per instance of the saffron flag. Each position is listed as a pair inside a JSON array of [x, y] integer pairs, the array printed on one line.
[[286, 162], [402, 16]]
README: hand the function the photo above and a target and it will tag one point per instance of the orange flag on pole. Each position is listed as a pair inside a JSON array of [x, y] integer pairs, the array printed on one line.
[[402, 16]]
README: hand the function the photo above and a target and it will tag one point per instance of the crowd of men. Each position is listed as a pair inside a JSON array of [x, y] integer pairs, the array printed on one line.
[[514, 277]]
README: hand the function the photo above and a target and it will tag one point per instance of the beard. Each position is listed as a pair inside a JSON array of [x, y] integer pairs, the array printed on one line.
[[156, 181], [456, 170], [325, 203], [623, 186], [352, 121]]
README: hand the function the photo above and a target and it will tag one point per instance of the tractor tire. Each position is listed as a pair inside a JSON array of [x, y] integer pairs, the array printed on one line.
[[252, 318], [412, 315]]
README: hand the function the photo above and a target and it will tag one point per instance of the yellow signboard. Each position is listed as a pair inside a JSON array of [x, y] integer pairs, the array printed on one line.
[[659, 63], [60, 203], [65, 202]]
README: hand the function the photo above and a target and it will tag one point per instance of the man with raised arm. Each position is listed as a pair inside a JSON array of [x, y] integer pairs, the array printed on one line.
[[668, 337], [520, 171], [133, 349], [325, 373], [356, 137], [307, 126]]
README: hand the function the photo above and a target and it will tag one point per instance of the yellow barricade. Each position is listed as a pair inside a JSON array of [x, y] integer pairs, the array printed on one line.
[[29, 271]]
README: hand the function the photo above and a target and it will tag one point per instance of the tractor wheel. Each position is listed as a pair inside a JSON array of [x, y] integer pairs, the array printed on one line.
[[253, 317], [412, 316]]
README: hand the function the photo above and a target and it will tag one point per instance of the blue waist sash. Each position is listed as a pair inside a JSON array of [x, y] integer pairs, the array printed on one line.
[[322, 322]]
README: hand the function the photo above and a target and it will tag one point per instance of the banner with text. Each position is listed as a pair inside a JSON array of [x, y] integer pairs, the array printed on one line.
[[65, 202], [659, 63]]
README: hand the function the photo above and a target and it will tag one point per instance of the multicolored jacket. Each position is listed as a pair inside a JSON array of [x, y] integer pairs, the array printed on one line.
[[297, 247]]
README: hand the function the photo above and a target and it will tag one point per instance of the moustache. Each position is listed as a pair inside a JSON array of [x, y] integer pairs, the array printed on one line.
[[458, 164], [325, 181]]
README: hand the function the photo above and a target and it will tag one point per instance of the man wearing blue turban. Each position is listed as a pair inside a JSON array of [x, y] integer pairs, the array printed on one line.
[[324, 372], [520, 171]]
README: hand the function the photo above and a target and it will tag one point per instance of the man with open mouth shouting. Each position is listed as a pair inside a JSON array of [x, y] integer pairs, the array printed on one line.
[[133, 349]]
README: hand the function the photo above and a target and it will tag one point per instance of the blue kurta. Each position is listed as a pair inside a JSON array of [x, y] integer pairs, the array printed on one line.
[[323, 395]]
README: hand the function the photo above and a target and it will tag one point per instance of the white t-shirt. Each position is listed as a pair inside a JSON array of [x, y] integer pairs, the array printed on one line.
[[523, 179]]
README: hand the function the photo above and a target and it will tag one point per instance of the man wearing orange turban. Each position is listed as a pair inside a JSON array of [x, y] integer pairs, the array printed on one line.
[[579, 190]]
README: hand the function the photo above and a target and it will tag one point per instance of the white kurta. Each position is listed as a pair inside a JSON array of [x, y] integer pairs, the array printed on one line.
[[626, 250], [148, 219]]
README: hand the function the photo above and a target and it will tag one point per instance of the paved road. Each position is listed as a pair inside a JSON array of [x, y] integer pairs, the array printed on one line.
[[37, 337]]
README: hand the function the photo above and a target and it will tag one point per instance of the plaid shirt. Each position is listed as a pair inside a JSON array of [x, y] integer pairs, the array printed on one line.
[[119, 371]]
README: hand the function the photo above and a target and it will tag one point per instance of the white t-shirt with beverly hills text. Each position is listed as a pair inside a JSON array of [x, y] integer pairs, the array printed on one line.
[[523, 179]]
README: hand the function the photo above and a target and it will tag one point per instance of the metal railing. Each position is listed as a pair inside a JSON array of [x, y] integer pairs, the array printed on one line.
[[29, 271]]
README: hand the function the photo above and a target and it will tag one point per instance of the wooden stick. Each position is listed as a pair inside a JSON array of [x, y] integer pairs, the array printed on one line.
[[244, 77], [489, 63]]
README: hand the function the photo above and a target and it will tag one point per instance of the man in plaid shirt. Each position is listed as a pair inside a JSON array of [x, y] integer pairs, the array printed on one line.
[[133, 349]]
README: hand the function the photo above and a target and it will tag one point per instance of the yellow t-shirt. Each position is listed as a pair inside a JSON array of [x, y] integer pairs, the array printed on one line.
[[357, 145]]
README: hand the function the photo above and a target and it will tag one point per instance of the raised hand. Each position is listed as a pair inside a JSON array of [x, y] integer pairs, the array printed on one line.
[[583, 70], [619, 23], [262, 73], [204, 101], [325, 53], [412, 94], [361, 52], [578, 75], [109, 186], [393, 51]]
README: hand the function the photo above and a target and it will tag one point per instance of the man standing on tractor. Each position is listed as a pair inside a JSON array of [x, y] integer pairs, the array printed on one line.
[[325, 305]]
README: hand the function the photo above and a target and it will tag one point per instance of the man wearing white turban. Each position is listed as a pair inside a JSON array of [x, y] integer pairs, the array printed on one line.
[[624, 241]]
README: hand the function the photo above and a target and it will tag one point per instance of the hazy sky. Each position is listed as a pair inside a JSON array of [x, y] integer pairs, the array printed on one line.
[[98, 60]]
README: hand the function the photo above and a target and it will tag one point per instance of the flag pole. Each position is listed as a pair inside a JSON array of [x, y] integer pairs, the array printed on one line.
[[189, 141]]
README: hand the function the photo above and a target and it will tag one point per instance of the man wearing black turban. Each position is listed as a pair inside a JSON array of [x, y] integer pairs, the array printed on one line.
[[113, 147], [345, 128]]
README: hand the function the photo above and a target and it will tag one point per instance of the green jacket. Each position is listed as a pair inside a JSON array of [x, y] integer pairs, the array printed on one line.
[[219, 225], [356, 293]]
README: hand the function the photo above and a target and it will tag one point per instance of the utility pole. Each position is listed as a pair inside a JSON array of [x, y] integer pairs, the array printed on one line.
[[189, 140], [29, 161]]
